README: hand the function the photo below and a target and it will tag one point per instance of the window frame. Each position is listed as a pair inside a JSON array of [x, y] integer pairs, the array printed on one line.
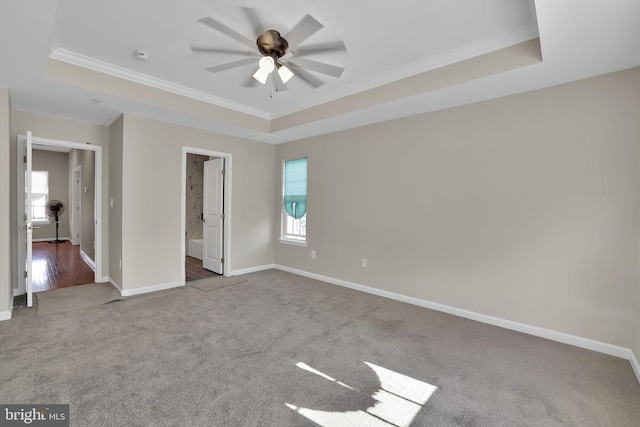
[[286, 238], [46, 219]]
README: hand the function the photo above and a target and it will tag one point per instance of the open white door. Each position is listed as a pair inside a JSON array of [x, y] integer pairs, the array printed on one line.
[[213, 215], [28, 226]]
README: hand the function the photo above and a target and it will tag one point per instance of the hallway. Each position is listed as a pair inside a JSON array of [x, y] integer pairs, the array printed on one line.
[[59, 266]]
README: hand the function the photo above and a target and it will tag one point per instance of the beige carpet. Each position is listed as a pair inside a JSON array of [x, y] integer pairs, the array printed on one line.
[[75, 298], [287, 351], [212, 283]]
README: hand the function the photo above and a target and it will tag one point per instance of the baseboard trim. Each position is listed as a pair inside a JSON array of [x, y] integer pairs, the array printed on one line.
[[6, 315], [586, 343], [149, 289], [251, 270], [635, 365], [103, 279], [88, 259], [17, 292], [49, 238]]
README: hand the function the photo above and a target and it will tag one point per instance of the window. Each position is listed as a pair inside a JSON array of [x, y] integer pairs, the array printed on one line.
[[39, 195], [294, 209]]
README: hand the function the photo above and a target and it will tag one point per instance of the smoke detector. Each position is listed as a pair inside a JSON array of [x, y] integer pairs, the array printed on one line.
[[141, 55]]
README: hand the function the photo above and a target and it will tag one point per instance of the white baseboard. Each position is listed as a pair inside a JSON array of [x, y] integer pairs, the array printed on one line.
[[103, 279], [50, 238], [635, 365], [88, 259], [148, 289], [589, 344], [17, 292], [251, 270], [5, 315]]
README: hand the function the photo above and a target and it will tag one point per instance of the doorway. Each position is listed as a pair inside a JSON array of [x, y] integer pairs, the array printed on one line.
[[205, 216], [72, 261]]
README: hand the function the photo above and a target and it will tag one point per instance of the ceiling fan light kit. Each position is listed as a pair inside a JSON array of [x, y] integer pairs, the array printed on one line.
[[272, 46], [266, 66]]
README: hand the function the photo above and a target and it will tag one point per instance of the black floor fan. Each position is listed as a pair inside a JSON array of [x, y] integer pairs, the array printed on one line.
[[55, 208]]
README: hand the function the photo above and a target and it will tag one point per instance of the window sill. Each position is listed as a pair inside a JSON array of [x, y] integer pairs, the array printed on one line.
[[294, 242]]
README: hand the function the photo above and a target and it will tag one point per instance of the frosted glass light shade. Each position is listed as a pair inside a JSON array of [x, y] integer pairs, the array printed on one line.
[[266, 64], [261, 75], [285, 73]]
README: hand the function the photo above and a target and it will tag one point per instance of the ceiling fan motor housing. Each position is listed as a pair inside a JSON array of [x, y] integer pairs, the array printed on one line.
[[272, 44]]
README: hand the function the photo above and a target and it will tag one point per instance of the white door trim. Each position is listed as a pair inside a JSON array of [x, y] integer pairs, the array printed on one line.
[[27, 249], [99, 277], [76, 202], [227, 208]]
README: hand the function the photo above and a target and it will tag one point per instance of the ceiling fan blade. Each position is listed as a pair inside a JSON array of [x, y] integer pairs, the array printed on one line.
[[230, 65], [320, 48], [319, 67], [303, 30], [216, 50], [250, 82], [304, 76], [258, 28], [219, 26], [278, 84]]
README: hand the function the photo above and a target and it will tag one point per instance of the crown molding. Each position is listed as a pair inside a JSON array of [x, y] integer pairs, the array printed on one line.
[[123, 73], [471, 50], [462, 53]]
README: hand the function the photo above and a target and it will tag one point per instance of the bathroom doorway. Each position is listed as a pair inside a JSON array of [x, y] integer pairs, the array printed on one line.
[[205, 215]]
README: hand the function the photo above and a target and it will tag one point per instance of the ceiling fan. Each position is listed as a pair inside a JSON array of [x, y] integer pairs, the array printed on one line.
[[272, 47]]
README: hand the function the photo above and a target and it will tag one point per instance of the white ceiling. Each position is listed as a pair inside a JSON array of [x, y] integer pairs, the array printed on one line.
[[385, 42]]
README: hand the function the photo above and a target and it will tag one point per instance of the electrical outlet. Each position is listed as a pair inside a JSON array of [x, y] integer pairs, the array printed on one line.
[[313, 254], [111, 202], [364, 263], [120, 264]]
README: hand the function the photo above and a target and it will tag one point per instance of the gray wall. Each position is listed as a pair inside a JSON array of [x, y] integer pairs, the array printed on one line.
[[524, 208], [62, 129], [87, 160], [152, 168], [56, 164], [6, 289]]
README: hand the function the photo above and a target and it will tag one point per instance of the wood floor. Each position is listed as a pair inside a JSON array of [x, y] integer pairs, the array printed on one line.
[[194, 270], [59, 266]]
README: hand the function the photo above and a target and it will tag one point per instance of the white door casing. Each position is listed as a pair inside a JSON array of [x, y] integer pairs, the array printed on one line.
[[213, 215], [28, 220], [24, 248]]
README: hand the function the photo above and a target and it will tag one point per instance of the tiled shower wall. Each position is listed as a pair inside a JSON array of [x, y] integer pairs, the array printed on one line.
[[195, 175]]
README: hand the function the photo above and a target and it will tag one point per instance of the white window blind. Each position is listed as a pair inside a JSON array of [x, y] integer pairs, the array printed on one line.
[[39, 195]]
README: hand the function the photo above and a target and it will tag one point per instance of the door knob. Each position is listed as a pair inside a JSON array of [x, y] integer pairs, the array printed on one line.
[[28, 227]]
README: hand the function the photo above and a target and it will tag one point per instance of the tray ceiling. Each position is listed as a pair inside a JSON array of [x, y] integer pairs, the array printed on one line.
[[79, 59]]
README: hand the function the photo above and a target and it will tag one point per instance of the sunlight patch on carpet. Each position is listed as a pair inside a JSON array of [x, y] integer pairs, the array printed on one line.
[[398, 401]]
